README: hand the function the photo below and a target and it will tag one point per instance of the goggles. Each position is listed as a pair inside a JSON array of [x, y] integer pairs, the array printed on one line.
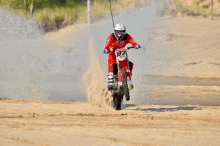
[[119, 33]]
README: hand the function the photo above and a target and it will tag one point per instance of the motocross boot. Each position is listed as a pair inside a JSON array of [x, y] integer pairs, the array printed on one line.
[[130, 84], [110, 81]]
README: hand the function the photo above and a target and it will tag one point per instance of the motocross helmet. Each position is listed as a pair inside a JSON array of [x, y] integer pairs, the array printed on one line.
[[120, 31]]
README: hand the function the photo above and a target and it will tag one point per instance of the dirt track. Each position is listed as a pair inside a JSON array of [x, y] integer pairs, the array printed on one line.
[[74, 123]]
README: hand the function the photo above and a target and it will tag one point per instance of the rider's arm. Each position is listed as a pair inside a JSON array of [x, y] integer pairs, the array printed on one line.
[[108, 43], [131, 41]]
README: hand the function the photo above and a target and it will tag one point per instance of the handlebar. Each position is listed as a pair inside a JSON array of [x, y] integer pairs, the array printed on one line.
[[126, 47], [131, 47]]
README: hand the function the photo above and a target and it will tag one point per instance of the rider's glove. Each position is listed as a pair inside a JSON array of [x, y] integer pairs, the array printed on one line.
[[105, 51], [138, 46]]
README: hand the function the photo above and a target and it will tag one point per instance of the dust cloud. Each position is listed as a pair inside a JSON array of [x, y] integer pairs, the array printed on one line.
[[94, 79], [23, 58]]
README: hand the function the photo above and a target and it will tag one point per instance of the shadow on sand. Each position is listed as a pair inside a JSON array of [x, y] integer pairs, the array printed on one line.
[[161, 109]]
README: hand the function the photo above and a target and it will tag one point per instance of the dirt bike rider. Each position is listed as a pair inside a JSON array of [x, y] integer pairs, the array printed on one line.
[[118, 39]]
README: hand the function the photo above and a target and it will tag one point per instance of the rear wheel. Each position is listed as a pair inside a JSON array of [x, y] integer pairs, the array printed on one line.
[[125, 85]]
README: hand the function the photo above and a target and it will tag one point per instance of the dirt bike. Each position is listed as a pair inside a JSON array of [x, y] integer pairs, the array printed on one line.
[[120, 86]]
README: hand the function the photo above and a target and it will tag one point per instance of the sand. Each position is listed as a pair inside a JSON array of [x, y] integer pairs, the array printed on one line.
[[75, 123]]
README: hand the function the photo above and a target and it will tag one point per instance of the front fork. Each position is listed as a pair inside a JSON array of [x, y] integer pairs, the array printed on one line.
[[120, 71]]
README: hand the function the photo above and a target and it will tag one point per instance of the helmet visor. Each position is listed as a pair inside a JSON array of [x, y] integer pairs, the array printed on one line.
[[119, 33]]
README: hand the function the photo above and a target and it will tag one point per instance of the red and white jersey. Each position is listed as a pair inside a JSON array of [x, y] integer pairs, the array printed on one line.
[[112, 42]]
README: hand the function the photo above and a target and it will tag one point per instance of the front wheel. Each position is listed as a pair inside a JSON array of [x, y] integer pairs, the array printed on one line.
[[117, 99], [125, 85]]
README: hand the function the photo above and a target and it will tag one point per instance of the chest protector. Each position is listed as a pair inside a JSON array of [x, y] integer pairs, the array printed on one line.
[[119, 43], [124, 37]]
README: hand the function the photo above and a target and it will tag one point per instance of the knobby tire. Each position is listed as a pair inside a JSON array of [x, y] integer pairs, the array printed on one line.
[[125, 85]]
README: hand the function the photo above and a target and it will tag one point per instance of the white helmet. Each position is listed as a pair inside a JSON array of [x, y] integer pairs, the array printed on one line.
[[120, 31], [119, 27]]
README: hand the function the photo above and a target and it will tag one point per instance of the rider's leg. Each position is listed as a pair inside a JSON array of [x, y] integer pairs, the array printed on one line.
[[115, 69], [130, 84], [111, 61], [131, 64]]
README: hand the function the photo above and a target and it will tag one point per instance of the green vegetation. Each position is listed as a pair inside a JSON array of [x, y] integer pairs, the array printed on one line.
[[199, 9], [181, 7], [195, 9], [54, 10], [55, 14]]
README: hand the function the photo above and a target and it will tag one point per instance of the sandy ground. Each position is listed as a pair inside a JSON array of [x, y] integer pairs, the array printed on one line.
[[191, 72], [74, 123]]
